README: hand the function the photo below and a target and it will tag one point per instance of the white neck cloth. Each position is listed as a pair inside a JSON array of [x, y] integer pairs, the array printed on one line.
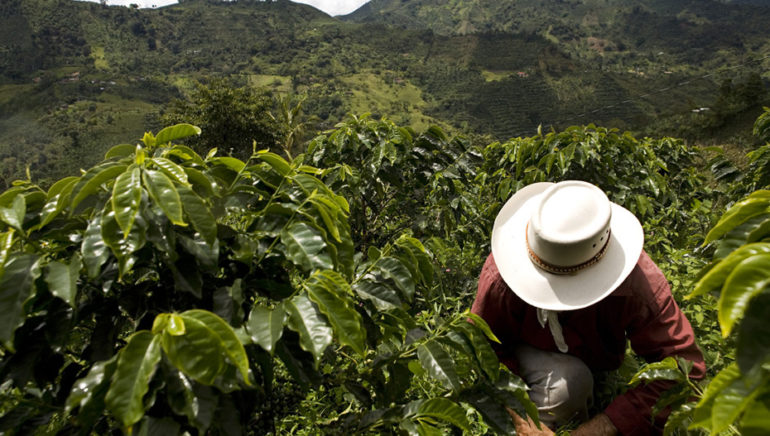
[[551, 317]]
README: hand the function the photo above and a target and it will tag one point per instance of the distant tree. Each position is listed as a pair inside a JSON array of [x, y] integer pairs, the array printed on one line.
[[289, 120], [231, 117], [752, 90]]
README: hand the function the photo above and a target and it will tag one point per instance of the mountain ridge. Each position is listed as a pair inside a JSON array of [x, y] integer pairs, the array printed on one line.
[[76, 76]]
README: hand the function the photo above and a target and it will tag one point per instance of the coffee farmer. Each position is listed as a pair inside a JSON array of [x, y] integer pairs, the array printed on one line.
[[566, 286]]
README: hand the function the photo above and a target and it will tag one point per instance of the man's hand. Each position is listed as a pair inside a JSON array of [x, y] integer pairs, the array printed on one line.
[[528, 427], [599, 425]]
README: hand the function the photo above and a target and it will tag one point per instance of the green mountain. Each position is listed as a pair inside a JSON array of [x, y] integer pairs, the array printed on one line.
[[617, 31], [76, 77]]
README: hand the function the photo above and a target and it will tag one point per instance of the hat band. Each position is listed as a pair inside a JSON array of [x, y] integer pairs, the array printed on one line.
[[555, 269]]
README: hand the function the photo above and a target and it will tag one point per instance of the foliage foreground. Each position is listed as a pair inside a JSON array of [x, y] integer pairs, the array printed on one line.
[[165, 292], [162, 291], [737, 400]]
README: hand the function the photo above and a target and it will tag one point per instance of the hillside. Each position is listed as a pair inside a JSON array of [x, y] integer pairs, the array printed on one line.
[[76, 77], [682, 28], [646, 36]]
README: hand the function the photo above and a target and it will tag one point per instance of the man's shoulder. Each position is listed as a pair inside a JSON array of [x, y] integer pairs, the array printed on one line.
[[491, 282], [646, 283]]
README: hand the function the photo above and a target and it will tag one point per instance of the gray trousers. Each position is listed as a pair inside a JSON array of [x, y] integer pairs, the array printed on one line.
[[560, 385]]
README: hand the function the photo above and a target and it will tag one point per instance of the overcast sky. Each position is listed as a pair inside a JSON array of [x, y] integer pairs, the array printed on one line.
[[331, 7]]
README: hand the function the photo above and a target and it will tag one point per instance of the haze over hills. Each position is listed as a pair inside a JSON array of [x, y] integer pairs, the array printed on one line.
[[76, 78]]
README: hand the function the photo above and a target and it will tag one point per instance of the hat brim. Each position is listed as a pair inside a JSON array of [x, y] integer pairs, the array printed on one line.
[[561, 292]]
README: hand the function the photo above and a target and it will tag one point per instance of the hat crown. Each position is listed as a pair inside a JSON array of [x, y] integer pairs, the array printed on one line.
[[570, 225]]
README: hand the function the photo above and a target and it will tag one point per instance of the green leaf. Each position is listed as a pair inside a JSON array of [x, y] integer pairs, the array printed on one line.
[[170, 322], [94, 250], [57, 199], [232, 163], [123, 247], [482, 324], [173, 133], [417, 251], [62, 279], [485, 355], [327, 216], [332, 295], [305, 246], [199, 214], [373, 253], [172, 170], [233, 347], [445, 410], [93, 178], [140, 156], [194, 400], [492, 411], [666, 369], [136, 365], [148, 139], [265, 326], [7, 197], [513, 392], [761, 231], [305, 319], [199, 353], [416, 368], [228, 303], [119, 151], [14, 215], [165, 195], [420, 428], [126, 198], [16, 287], [185, 153], [439, 364], [277, 162], [702, 416], [91, 389], [393, 268], [61, 186], [6, 242], [749, 278], [382, 296], [200, 179], [756, 419], [756, 203], [753, 343], [678, 420], [732, 401], [738, 236], [716, 276]]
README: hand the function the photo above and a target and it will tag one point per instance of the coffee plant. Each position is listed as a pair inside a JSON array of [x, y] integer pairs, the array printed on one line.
[[737, 399], [399, 180], [164, 291], [656, 179]]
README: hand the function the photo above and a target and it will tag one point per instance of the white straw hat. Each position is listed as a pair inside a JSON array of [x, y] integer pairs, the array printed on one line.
[[565, 246]]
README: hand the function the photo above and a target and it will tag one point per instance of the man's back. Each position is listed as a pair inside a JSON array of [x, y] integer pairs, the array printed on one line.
[[641, 310]]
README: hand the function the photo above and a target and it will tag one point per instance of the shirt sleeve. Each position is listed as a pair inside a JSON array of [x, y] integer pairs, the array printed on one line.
[[659, 330], [494, 303]]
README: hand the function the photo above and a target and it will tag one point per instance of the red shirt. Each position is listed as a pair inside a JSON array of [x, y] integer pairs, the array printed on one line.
[[641, 310]]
